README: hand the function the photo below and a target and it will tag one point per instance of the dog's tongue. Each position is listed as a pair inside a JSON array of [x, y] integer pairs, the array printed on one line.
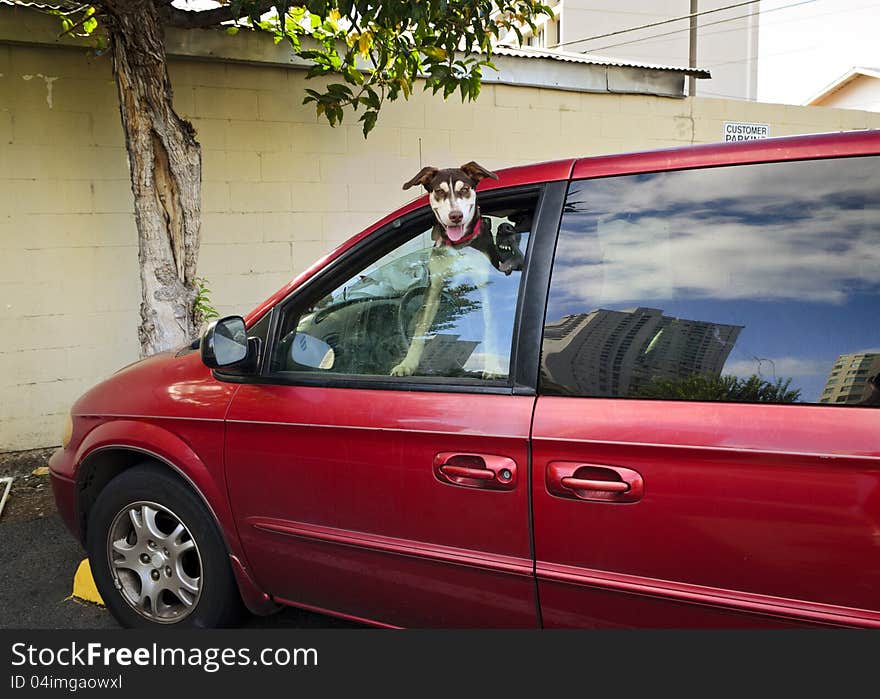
[[455, 233]]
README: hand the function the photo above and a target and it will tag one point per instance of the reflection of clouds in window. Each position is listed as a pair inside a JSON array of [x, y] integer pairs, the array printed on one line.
[[769, 271], [725, 235]]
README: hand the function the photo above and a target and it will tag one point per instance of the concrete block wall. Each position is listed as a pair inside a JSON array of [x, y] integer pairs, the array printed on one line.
[[280, 190]]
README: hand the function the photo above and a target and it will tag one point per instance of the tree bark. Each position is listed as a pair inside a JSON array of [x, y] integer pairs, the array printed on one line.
[[166, 172]]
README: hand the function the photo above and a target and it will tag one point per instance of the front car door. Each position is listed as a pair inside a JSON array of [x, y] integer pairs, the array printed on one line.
[[706, 447], [400, 500]]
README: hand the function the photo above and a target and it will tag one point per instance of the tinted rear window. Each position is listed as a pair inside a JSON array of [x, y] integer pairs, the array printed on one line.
[[756, 283]]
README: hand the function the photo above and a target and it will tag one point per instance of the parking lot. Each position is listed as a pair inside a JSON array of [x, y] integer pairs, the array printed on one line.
[[38, 559]]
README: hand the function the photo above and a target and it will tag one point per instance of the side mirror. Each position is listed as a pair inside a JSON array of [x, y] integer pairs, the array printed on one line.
[[311, 352], [224, 342]]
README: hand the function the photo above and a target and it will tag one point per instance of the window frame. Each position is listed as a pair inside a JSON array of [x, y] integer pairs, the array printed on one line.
[[528, 315]]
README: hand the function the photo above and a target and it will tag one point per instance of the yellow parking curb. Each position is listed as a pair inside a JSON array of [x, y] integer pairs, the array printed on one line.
[[84, 585]]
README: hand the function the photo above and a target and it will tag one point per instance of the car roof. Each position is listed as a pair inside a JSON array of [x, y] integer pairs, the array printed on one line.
[[825, 145]]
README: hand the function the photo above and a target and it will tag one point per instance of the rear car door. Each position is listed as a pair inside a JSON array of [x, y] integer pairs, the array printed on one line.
[[401, 500], [706, 447]]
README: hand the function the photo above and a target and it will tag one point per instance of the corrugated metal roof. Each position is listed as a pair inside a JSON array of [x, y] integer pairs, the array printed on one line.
[[591, 59]]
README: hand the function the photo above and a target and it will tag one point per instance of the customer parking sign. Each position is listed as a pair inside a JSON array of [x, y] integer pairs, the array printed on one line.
[[745, 131]]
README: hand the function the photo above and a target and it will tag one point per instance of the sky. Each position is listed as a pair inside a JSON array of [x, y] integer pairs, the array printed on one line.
[[802, 49]]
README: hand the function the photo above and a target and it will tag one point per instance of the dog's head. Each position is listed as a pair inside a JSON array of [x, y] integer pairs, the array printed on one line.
[[452, 196]]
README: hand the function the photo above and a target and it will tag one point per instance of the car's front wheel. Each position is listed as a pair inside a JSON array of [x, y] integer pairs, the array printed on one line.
[[156, 554]]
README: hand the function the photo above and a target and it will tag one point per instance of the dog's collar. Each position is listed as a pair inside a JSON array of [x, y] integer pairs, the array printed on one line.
[[478, 227]]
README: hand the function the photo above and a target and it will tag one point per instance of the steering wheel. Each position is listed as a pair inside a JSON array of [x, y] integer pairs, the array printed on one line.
[[408, 311], [411, 304]]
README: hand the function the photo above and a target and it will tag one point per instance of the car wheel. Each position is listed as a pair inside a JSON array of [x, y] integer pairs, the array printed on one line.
[[156, 554]]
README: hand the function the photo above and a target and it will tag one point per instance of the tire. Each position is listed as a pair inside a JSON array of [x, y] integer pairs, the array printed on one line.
[[156, 554]]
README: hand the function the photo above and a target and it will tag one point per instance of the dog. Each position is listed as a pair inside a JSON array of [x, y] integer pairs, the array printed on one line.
[[459, 227]]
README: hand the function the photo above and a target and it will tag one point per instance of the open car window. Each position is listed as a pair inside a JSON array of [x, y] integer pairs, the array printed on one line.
[[369, 324]]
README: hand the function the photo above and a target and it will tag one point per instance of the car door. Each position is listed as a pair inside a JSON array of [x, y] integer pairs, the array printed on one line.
[[400, 500], [705, 443]]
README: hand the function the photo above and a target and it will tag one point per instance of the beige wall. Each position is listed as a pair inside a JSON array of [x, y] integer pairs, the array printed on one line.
[[280, 189]]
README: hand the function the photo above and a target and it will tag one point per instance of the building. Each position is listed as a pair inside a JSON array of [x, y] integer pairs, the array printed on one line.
[[859, 88], [277, 183], [445, 355], [848, 380], [615, 353], [727, 39]]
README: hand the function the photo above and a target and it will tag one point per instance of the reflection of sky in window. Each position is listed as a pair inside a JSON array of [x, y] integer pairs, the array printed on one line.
[[501, 292], [790, 251]]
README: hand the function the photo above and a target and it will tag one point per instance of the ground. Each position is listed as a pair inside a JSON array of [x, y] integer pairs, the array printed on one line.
[[38, 559], [31, 495]]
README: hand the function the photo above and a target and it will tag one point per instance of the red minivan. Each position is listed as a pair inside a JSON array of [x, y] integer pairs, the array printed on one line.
[[666, 416]]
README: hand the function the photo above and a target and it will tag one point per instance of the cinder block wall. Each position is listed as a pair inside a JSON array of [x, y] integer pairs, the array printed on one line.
[[280, 189]]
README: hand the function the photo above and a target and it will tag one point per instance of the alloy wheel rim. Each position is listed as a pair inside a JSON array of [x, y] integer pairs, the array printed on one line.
[[155, 562]]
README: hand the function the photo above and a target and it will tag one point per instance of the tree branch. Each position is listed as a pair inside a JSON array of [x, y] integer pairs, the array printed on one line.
[[200, 19]]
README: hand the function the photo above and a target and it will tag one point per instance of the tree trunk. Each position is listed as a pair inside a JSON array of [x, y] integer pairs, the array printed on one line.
[[166, 173]]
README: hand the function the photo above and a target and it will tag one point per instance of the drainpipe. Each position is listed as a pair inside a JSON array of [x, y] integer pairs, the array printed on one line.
[[692, 49]]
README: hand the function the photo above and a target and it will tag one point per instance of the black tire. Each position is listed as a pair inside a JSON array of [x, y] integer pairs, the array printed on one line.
[[217, 602]]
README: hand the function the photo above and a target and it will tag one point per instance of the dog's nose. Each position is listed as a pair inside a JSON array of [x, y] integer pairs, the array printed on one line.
[[456, 217]]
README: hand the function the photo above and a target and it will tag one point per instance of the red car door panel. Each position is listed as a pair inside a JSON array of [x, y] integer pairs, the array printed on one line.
[[338, 505], [705, 443], [747, 509]]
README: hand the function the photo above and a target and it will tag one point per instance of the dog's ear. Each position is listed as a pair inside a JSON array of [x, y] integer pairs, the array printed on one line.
[[477, 172], [424, 176]]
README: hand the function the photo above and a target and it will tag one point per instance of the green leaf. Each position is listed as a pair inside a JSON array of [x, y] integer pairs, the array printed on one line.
[[434, 52], [339, 90], [372, 98], [353, 75], [232, 31], [369, 119]]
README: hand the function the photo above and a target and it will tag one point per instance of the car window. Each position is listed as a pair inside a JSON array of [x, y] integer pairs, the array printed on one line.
[[756, 283], [381, 322]]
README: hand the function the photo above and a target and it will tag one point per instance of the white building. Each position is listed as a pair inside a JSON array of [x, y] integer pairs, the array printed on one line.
[[859, 88], [727, 40]]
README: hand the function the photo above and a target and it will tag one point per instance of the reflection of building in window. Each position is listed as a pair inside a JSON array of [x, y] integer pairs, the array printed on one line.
[[445, 355], [614, 353], [848, 380]]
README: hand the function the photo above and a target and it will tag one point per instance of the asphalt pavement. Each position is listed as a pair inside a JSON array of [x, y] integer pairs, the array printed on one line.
[[38, 559]]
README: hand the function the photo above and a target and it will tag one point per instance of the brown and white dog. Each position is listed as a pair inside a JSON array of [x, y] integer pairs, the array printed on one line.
[[459, 225]]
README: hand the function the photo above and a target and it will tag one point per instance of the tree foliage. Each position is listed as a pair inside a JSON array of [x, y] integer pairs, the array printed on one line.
[[371, 52], [709, 387]]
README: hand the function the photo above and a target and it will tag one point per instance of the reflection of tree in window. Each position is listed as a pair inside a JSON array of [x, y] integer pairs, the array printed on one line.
[[721, 388], [456, 303], [445, 354]]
